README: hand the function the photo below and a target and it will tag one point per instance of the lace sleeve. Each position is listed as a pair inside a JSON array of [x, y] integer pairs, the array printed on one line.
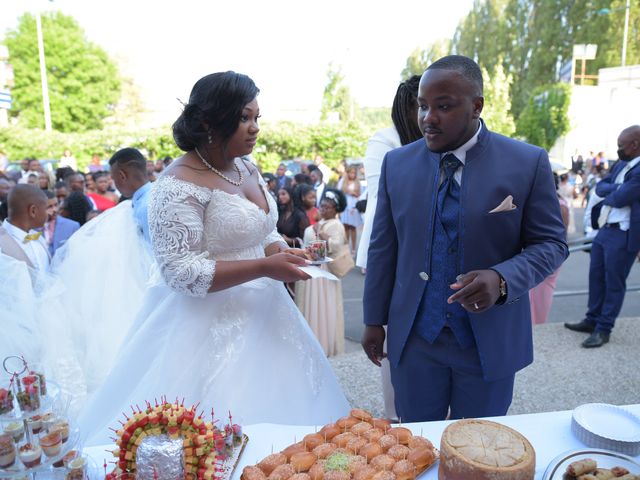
[[274, 236], [176, 224]]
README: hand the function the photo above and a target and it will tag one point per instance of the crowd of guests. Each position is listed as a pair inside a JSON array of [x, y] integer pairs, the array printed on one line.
[[69, 196], [317, 203], [320, 204], [299, 198]]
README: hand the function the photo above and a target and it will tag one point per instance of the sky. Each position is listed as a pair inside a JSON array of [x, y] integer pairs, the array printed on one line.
[[286, 46]]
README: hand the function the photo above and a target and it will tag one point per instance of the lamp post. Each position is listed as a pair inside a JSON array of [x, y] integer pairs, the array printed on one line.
[[625, 34], [43, 75]]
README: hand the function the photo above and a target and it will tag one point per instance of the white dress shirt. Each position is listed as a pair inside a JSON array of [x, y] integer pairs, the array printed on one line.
[[319, 191], [36, 250], [622, 215], [461, 154]]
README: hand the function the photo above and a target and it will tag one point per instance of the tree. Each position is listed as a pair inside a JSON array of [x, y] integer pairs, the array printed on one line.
[[420, 59], [83, 81], [482, 34], [545, 117], [337, 96], [535, 38], [497, 101], [129, 111]]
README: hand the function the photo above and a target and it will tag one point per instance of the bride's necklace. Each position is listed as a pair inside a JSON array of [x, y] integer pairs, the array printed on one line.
[[220, 174]]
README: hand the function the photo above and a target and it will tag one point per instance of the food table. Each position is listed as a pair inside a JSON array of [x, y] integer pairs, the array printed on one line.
[[549, 433]]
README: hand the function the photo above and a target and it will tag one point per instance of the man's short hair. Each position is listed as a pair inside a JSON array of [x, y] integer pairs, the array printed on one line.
[[314, 168], [129, 158], [463, 65], [23, 195]]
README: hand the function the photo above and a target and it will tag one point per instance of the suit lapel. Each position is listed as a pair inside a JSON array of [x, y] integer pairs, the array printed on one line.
[[422, 198], [10, 247]]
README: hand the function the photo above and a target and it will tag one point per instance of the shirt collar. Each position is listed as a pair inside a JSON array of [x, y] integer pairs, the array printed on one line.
[[634, 162], [15, 232], [141, 191], [461, 151]]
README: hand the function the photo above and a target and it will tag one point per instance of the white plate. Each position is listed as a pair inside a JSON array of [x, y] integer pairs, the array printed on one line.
[[321, 262], [609, 427], [609, 421], [605, 459]]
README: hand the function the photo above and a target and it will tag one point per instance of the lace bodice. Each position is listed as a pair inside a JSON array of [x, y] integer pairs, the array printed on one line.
[[192, 227]]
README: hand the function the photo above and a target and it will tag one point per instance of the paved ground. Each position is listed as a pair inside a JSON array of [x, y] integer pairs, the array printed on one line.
[[563, 374]]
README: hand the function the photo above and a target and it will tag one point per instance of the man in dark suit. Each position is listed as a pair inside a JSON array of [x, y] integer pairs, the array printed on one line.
[[57, 229], [467, 222], [281, 177], [617, 243]]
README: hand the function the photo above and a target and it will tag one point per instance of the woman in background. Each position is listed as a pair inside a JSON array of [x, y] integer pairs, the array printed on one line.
[[351, 218], [76, 207], [305, 198], [291, 219], [320, 299], [102, 197]]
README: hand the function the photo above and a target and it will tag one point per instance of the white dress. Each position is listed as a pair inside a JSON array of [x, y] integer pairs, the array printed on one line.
[[245, 349]]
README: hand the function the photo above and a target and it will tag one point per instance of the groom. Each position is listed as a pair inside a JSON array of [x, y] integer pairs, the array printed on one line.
[[467, 222]]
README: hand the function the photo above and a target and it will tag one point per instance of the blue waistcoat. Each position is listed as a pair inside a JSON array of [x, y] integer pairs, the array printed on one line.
[[434, 312]]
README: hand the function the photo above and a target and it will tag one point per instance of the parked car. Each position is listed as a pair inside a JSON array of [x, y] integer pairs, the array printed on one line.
[[48, 165], [293, 166]]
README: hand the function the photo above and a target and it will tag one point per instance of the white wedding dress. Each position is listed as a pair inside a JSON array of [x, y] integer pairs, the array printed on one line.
[[246, 349]]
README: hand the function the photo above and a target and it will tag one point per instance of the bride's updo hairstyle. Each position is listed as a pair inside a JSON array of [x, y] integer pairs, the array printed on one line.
[[216, 101]]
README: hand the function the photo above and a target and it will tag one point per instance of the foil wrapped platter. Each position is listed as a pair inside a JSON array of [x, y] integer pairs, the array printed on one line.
[[161, 457]]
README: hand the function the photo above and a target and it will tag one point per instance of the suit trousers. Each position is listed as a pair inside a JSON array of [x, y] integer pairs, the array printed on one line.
[[610, 265], [432, 379]]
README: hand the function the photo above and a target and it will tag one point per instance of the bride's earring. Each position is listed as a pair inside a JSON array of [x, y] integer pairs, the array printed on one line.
[[209, 139]]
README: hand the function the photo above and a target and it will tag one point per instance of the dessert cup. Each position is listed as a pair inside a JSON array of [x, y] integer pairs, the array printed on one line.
[[51, 444], [7, 451], [16, 430], [30, 455]]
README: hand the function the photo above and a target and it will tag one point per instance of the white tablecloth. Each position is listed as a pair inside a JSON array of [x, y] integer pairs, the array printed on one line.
[[549, 433]]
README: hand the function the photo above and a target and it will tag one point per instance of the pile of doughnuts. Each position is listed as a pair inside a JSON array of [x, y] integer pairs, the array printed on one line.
[[357, 447]]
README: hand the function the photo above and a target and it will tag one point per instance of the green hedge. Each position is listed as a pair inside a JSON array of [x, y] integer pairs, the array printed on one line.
[[276, 142]]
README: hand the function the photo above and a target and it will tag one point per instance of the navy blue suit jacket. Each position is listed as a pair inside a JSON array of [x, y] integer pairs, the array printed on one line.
[[525, 244], [626, 194], [64, 229]]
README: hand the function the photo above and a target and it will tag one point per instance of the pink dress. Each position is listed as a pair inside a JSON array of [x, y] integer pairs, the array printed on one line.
[[541, 296]]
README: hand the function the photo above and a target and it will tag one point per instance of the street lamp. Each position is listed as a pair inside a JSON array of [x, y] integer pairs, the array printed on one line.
[[627, 9], [43, 74]]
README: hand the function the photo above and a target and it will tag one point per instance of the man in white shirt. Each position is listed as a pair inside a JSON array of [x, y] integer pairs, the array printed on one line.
[[20, 237], [617, 243], [318, 184], [326, 171]]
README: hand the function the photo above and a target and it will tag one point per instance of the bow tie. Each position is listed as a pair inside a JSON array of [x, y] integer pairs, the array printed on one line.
[[32, 236]]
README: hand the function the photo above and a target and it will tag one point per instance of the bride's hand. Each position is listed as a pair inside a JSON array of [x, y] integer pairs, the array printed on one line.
[[284, 267]]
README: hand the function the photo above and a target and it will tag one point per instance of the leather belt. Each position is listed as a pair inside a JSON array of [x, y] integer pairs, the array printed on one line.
[[613, 225]]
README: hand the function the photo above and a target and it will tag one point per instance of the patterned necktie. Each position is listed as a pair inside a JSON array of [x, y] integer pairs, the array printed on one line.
[[31, 236], [449, 165]]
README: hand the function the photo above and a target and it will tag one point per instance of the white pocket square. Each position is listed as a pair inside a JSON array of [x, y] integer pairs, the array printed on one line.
[[506, 205]]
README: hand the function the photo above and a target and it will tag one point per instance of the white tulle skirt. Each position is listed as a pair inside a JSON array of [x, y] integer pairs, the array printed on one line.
[[19, 308], [246, 350], [104, 269]]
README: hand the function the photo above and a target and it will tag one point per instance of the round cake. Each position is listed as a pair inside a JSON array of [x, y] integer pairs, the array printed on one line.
[[483, 450]]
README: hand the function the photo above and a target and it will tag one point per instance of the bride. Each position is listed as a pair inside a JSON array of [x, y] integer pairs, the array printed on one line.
[[217, 325]]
